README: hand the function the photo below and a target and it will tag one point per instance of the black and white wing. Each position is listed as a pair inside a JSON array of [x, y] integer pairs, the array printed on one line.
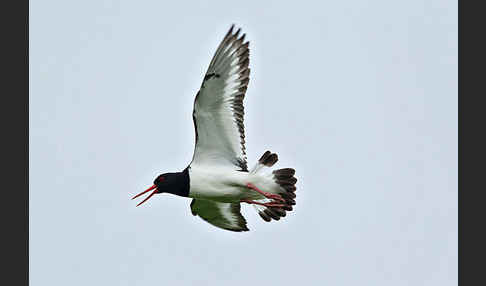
[[223, 215], [218, 107]]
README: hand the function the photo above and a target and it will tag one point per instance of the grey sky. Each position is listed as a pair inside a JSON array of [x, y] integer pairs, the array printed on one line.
[[360, 97]]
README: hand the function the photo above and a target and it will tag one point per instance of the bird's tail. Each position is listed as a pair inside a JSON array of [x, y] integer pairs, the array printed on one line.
[[283, 183]]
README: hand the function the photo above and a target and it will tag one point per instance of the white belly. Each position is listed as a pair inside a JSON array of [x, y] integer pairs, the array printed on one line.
[[221, 184]]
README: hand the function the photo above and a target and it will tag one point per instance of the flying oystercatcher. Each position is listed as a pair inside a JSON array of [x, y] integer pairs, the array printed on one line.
[[218, 179]]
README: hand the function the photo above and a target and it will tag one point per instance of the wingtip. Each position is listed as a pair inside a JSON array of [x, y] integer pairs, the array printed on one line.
[[243, 229], [230, 31], [237, 32]]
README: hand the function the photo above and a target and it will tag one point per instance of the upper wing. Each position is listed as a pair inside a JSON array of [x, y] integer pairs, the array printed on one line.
[[218, 107], [223, 215]]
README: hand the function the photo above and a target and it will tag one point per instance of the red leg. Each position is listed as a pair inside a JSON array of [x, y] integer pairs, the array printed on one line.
[[265, 194], [270, 204]]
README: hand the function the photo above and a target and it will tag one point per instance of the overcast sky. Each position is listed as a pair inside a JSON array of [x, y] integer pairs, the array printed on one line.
[[360, 97]]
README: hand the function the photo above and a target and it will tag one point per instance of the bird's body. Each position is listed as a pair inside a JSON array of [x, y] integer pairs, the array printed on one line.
[[218, 179], [226, 185]]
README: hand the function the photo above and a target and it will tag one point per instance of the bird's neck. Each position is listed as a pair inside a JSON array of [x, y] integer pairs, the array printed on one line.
[[181, 186]]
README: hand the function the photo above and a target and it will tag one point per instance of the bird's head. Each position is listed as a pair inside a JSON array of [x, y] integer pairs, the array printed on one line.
[[160, 181], [165, 183]]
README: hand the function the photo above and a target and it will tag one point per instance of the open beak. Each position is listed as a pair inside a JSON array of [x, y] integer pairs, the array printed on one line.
[[147, 190]]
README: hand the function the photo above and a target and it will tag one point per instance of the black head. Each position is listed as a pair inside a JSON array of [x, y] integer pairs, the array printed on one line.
[[167, 182], [173, 183]]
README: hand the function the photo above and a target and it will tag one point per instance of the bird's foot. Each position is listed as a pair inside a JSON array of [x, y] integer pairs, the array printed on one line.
[[266, 194], [269, 204]]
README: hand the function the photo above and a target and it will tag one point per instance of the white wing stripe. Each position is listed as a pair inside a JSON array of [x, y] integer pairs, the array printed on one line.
[[218, 108]]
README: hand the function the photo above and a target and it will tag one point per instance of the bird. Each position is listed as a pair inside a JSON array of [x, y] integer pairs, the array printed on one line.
[[218, 179]]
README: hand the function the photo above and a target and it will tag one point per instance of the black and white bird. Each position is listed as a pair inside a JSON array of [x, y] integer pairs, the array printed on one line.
[[218, 179]]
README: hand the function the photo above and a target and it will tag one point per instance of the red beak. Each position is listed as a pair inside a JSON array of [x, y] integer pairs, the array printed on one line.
[[147, 190]]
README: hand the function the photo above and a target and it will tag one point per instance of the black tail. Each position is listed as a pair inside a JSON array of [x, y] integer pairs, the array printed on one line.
[[268, 159], [286, 180]]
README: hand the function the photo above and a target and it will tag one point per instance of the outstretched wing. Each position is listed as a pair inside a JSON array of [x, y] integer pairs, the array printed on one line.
[[222, 215], [218, 107]]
